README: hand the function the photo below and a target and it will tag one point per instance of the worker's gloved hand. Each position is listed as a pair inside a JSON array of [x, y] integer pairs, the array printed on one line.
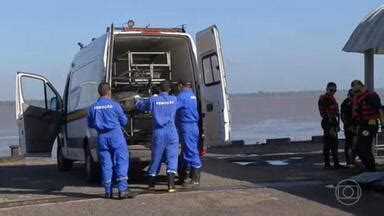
[[202, 152], [136, 97]]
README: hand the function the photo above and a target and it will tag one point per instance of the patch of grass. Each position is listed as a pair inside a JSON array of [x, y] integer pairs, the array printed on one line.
[[4, 159], [8, 159]]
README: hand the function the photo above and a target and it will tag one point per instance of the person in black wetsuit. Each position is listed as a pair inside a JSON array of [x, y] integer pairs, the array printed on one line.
[[329, 111], [349, 127]]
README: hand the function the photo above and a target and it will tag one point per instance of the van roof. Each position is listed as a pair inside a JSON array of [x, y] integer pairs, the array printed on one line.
[[149, 30]]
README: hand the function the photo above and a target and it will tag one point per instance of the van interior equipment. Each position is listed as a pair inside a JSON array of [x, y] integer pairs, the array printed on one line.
[[139, 73]]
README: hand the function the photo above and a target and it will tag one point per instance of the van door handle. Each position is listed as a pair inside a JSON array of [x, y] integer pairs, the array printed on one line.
[[209, 107]]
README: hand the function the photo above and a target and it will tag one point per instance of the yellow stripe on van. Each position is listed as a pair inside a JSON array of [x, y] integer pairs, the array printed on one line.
[[76, 115]]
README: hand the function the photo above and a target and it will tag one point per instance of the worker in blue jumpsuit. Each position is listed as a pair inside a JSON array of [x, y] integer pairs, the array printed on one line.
[[187, 118], [165, 140], [107, 117]]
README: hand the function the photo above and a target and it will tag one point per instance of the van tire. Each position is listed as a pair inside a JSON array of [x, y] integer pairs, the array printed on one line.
[[63, 164], [92, 169], [137, 171]]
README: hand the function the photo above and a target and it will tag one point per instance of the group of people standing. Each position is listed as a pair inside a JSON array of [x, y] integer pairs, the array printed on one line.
[[360, 114], [174, 121]]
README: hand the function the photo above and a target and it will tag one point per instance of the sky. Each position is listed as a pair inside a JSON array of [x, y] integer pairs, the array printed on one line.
[[268, 45]]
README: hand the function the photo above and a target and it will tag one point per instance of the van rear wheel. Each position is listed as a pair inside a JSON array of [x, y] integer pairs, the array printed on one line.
[[92, 169], [63, 164]]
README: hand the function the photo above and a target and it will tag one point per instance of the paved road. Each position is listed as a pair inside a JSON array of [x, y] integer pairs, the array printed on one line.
[[262, 180]]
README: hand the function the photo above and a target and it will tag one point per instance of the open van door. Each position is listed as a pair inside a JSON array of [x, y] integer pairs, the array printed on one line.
[[38, 113], [213, 91], [109, 63]]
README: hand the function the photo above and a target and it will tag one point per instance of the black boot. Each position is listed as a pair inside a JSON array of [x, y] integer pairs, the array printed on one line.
[[151, 182], [127, 194], [327, 164], [335, 156], [171, 182], [183, 176], [108, 195], [195, 178], [336, 164]]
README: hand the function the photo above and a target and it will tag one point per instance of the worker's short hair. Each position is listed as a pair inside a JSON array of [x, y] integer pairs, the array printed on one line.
[[155, 90], [165, 86], [331, 84], [185, 83], [357, 83], [103, 89]]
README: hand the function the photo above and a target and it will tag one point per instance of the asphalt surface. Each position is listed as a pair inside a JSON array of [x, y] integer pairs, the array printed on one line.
[[256, 180]]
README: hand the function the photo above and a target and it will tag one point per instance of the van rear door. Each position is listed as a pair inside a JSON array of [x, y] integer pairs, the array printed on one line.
[[38, 113], [214, 98], [109, 63]]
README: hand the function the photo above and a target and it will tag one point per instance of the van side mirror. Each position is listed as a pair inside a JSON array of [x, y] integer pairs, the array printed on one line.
[[53, 104]]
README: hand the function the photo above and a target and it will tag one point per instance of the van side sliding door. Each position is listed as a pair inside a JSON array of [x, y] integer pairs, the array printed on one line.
[[38, 113], [214, 98]]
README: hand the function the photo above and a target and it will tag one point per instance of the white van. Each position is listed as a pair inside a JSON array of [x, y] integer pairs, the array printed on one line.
[[134, 61]]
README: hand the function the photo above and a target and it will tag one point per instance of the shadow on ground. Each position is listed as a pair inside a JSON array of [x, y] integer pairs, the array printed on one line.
[[46, 179], [293, 169]]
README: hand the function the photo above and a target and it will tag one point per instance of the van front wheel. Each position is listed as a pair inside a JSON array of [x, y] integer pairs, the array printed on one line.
[[91, 167], [63, 164]]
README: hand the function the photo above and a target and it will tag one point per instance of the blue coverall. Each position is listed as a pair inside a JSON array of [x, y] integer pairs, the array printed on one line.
[[165, 140], [107, 117], [187, 118]]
